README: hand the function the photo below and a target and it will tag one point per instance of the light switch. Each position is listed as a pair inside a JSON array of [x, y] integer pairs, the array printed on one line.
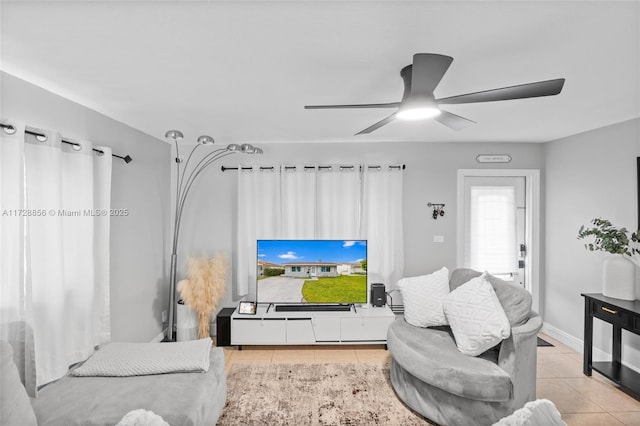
[[438, 238]]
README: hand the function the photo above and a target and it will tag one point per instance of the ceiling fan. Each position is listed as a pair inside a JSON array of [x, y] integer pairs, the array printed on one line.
[[418, 102]]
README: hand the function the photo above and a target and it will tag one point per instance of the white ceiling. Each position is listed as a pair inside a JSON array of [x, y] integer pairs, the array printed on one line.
[[242, 71]]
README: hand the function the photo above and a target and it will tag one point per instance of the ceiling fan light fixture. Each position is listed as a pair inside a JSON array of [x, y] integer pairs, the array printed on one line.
[[418, 113]]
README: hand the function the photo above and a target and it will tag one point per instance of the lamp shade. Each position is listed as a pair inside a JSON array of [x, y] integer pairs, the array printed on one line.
[[247, 148], [205, 140], [174, 135]]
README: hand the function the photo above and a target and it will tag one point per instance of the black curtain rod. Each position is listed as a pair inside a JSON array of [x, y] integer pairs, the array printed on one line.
[[127, 159], [224, 168]]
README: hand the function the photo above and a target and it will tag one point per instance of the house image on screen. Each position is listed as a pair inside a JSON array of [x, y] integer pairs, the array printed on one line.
[[262, 265], [350, 268], [310, 269]]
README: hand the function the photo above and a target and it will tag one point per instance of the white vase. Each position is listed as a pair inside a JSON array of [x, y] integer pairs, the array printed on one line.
[[186, 323], [619, 277]]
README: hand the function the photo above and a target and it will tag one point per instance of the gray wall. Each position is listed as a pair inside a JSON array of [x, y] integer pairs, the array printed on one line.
[[430, 176], [139, 242], [585, 176], [588, 175]]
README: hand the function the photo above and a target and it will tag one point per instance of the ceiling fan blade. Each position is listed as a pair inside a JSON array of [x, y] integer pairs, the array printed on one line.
[[530, 90], [385, 105], [427, 71], [453, 121], [379, 124]]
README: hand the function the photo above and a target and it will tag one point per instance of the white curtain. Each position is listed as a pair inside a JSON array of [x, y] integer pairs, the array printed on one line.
[[16, 320], [382, 224], [492, 229], [258, 218], [298, 201], [65, 245], [312, 202], [338, 198], [102, 166]]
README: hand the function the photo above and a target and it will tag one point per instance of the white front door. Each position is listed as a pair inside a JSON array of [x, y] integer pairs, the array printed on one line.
[[527, 214], [494, 226]]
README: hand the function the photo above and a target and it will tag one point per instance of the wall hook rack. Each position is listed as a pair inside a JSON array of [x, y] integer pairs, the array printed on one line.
[[438, 209]]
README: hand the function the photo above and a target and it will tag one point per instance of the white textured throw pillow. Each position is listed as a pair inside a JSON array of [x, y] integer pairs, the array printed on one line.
[[538, 412], [142, 417], [476, 317], [423, 296]]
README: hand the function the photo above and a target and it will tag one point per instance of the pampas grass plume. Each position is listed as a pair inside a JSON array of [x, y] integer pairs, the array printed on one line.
[[204, 288]]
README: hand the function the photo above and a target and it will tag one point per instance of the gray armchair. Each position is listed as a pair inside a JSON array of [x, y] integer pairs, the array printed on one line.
[[434, 378]]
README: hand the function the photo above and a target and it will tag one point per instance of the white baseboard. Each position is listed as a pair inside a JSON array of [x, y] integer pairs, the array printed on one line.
[[160, 337], [578, 344], [566, 338]]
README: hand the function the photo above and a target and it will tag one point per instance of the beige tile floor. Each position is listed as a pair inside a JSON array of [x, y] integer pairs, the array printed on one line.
[[582, 400]]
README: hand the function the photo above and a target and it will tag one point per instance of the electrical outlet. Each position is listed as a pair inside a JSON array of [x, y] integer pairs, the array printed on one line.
[[164, 316], [438, 238]]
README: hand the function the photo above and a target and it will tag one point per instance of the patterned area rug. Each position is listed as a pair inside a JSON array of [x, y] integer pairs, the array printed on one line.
[[313, 394]]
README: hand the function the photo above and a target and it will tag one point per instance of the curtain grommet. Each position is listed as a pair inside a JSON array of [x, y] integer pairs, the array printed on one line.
[[10, 130]]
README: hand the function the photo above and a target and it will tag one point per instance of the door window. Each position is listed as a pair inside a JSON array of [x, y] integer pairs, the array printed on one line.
[[492, 229], [494, 226]]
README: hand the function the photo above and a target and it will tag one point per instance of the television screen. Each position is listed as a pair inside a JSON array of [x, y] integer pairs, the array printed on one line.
[[311, 271]]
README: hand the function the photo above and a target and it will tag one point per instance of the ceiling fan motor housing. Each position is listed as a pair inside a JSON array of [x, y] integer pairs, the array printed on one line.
[[405, 73]]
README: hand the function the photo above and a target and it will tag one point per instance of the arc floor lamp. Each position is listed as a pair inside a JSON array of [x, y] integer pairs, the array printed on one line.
[[186, 173]]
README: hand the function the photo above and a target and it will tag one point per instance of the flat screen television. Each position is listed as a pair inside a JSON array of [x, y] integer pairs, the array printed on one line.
[[311, 271]]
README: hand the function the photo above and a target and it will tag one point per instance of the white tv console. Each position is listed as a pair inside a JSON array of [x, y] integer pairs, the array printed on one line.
[[270, 327]]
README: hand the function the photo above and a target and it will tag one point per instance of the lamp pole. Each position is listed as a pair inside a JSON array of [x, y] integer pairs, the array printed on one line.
[[184, 181]]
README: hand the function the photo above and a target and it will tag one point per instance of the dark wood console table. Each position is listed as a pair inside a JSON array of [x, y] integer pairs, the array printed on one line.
[[621, 314]]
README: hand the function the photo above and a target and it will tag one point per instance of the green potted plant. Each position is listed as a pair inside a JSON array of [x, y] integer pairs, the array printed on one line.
[[618, 272]]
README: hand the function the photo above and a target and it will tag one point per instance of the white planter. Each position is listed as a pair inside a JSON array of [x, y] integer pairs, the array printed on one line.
[[186, 323], [619, 278]]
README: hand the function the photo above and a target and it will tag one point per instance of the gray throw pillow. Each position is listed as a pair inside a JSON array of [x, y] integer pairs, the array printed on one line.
[[460, 276], [515, 300], [15, 403]]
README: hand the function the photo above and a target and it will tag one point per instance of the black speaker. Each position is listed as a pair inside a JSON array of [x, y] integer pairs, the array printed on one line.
[[223, 327], [378, 296]]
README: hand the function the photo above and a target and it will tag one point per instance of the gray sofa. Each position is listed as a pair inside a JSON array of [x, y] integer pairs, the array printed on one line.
[[179, 398], [434, 378]]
